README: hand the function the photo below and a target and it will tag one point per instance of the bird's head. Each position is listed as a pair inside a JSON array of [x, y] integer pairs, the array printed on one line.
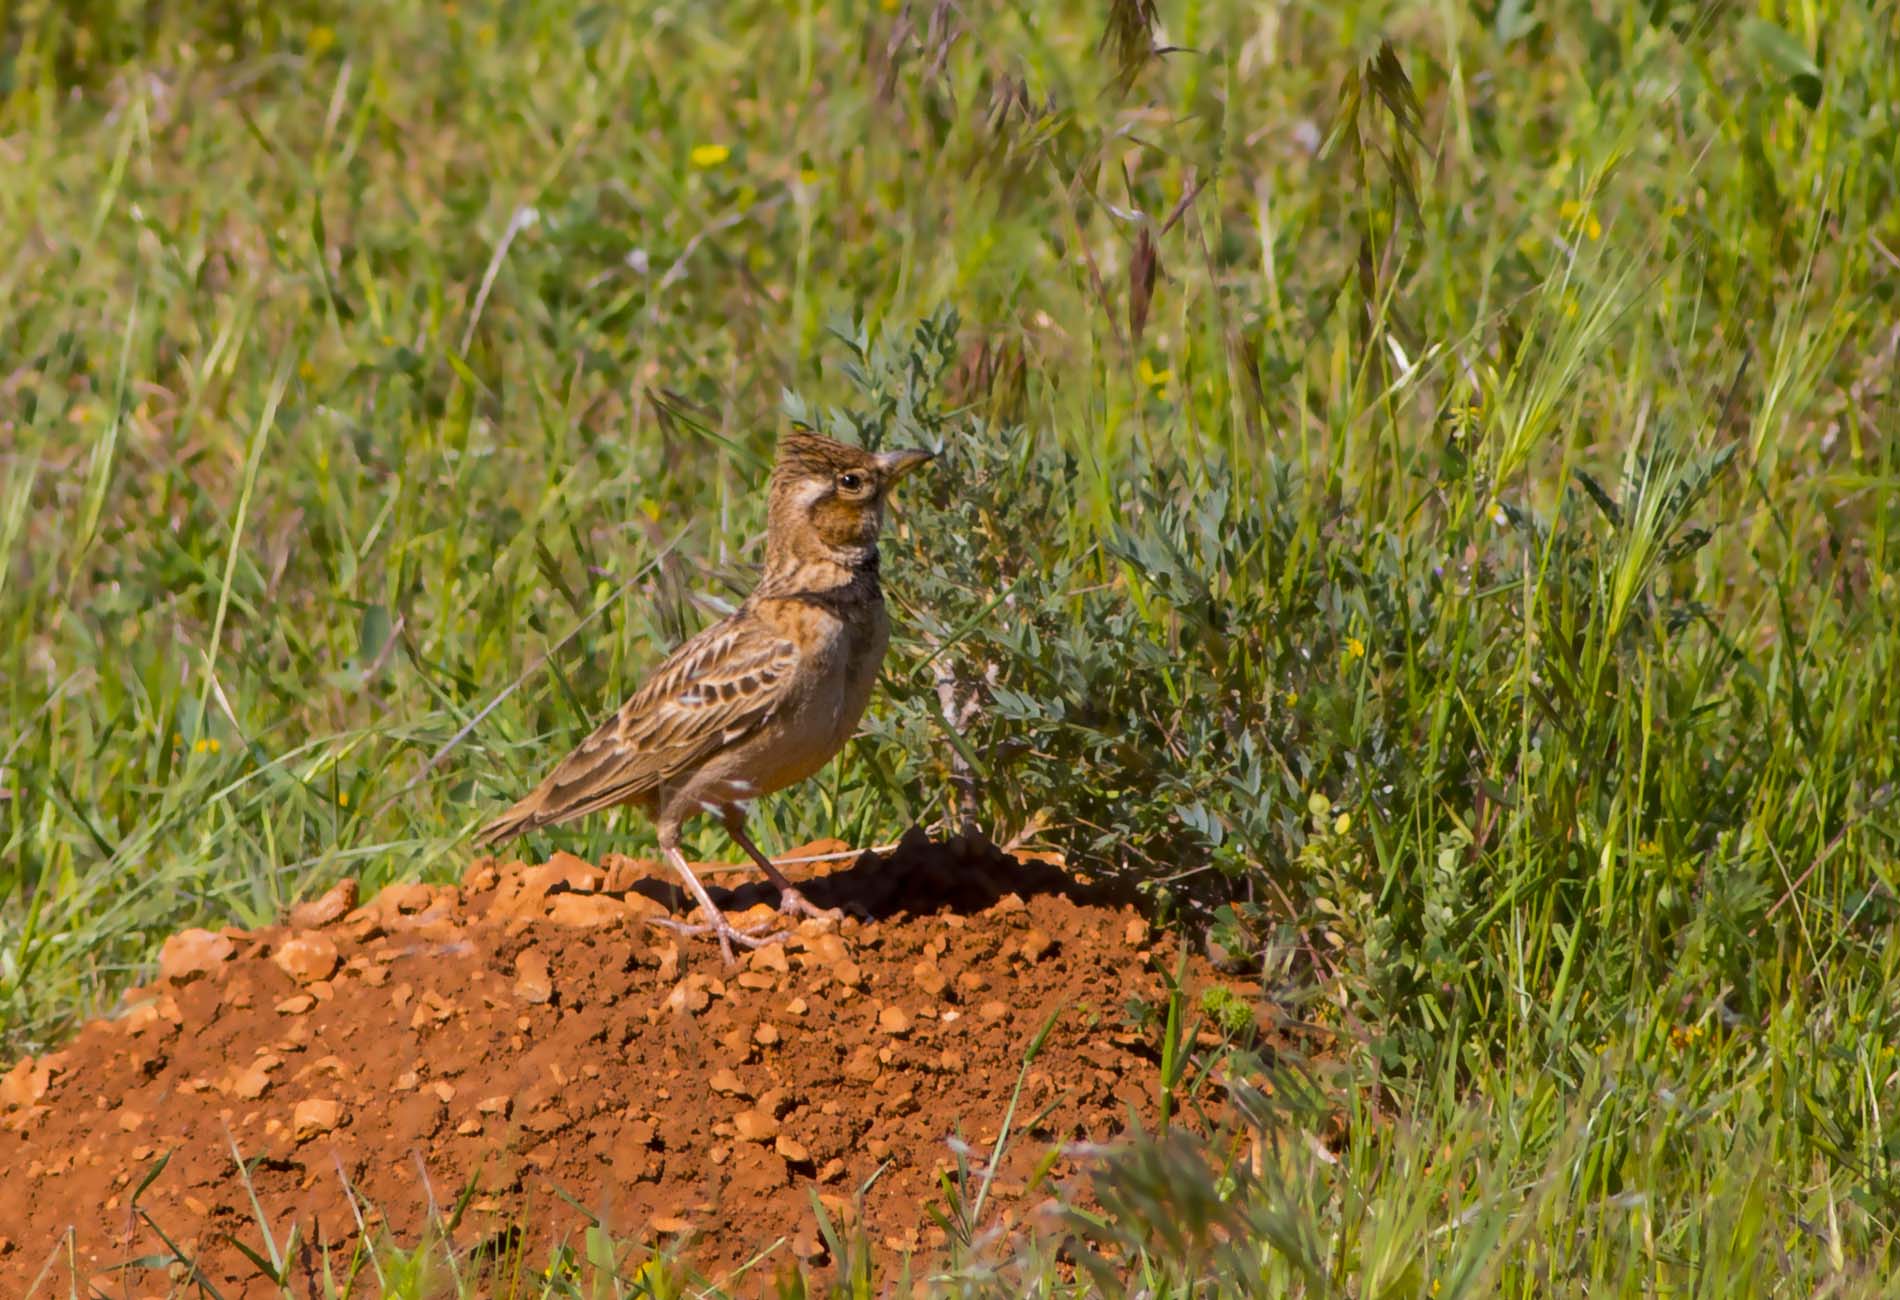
[[827, 501]]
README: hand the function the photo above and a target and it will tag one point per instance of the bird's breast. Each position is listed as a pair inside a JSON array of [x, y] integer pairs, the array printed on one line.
[[840, 652]]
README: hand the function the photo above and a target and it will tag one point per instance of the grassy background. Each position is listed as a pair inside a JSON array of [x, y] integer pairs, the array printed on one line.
[[1437, 507]]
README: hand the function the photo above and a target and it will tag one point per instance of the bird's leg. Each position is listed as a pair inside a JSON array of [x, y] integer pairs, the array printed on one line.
[[716, 922], [789, 899]]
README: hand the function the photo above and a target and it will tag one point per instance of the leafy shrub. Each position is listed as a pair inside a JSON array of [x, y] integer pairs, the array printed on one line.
[[1222, 685]]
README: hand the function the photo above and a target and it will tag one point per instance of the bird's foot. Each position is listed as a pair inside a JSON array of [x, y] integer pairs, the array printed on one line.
[[793, 903], [728, 933]]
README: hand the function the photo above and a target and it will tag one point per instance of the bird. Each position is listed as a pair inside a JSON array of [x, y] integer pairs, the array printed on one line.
[[760, 700]]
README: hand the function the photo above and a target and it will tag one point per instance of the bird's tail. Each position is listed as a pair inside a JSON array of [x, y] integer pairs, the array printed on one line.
[[525, 816], [584, 782]]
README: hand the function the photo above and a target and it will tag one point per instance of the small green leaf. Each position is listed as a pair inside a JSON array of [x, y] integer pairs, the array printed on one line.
[[1787, 56], [372, 636], [158, 1167]]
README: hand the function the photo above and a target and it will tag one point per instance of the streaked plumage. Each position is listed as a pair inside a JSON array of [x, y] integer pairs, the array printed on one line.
[[763, 698]]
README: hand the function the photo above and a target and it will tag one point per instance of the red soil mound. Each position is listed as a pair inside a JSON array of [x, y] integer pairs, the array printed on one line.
[[524, 1033]]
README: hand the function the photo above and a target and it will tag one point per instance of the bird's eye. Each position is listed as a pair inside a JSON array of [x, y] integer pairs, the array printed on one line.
[[850, 482]]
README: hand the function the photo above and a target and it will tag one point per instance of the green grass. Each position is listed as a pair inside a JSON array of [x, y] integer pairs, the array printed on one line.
[[1469, 564]]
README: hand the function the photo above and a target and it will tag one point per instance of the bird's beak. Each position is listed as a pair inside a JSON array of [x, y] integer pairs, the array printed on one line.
[[894, 465]]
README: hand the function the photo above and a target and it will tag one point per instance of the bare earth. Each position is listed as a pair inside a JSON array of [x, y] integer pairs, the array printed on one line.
[[525, 1032]]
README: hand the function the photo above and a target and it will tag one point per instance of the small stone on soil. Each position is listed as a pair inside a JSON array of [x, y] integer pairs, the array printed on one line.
[[314, 1116], [928, 978], [755, 1125], [585, 911], [307, 957], [250, 1084]]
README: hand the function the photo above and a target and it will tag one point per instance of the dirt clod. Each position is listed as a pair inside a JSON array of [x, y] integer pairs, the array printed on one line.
[[193, 952], [532, 981], [25, 1083], [335, 903]]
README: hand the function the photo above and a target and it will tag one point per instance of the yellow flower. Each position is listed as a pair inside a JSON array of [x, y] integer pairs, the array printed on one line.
[[1342, 823], [1460, 418], [1574, 213], [320, 39], [808, 176], [709, 155], [306, 372], [1355, 648], [344, 798], [209, 745], [1155, 379]]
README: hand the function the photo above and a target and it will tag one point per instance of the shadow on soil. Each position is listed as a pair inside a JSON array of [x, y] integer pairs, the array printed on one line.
[[920, 877]]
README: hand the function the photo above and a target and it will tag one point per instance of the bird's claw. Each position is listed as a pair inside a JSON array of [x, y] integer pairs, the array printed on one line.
[[793, 903], [728, 933]]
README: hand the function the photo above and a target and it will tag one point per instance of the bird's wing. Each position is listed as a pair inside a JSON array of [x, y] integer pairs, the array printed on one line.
[[714, 691]]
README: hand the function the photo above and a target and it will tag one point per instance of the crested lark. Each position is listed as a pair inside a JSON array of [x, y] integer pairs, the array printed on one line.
[[761, 699]]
